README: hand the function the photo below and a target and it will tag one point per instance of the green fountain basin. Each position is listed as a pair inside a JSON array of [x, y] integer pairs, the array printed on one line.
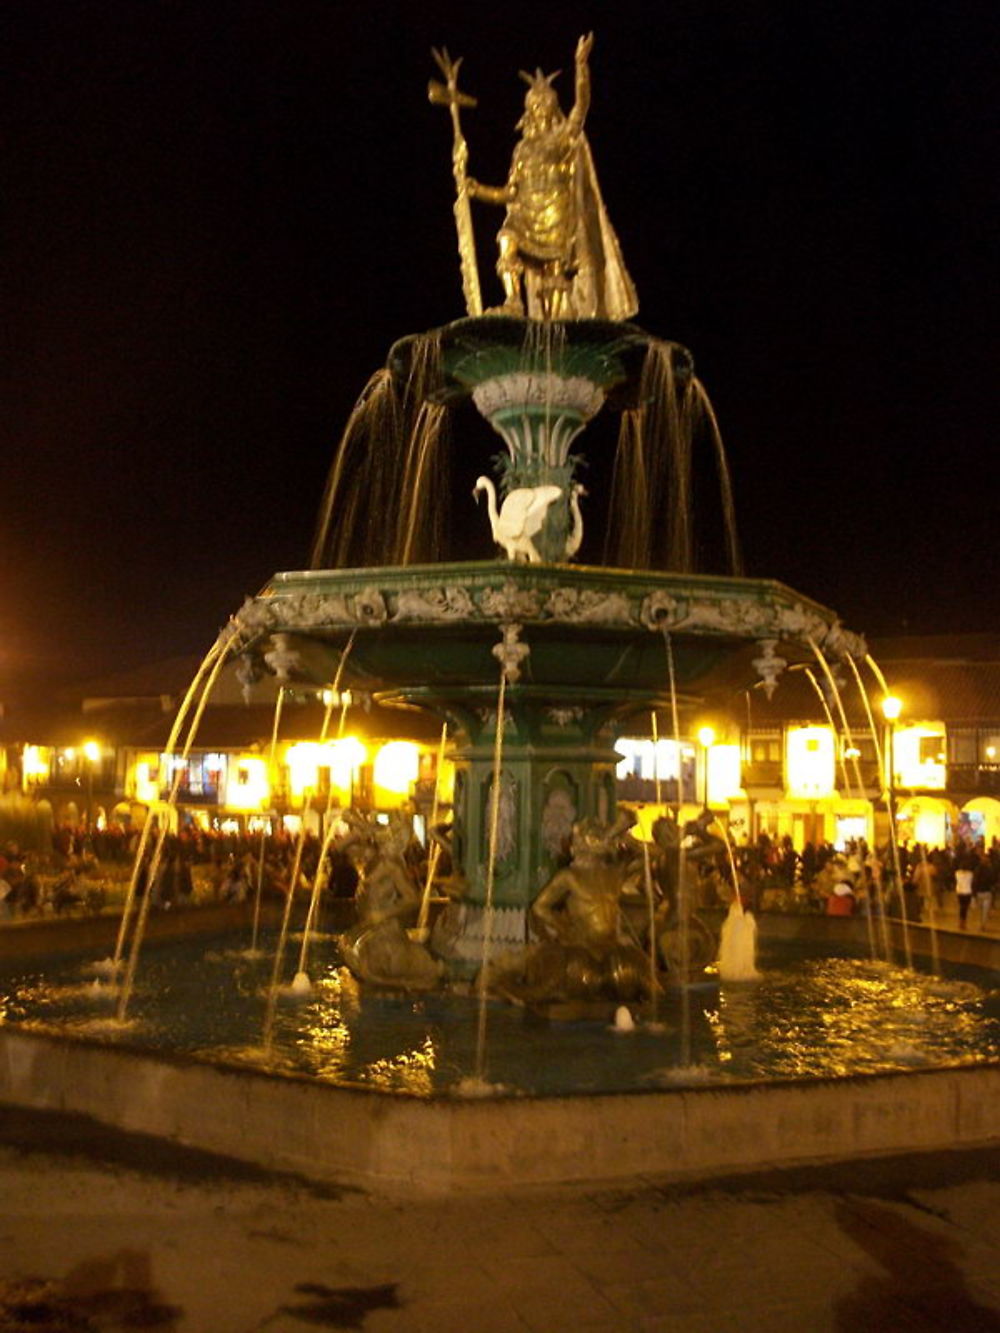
[[582, 649], [424, 631]]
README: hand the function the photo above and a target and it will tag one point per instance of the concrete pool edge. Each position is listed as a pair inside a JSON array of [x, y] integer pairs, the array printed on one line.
[[375, 1139]]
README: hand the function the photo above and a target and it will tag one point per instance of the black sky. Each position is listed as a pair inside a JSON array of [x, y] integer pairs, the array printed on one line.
[[217, 217]]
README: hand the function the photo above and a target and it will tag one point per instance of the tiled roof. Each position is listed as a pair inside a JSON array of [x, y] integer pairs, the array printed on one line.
[[226, 727]]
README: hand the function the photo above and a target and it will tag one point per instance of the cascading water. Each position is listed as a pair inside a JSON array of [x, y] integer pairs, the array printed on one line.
[[259, 887], [381, 612], [433, 840], [211, 666], [876, 887], [478, 1085], [390, 464], [737, 959], [319, 878]]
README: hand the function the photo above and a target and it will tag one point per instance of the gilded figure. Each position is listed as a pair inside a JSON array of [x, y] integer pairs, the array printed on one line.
[[559, 257]]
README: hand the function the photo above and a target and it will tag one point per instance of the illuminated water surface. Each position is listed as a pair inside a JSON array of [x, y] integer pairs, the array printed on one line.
[[811, 1018]]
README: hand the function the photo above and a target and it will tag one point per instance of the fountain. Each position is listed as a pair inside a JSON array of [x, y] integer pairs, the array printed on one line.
[[533, 664]]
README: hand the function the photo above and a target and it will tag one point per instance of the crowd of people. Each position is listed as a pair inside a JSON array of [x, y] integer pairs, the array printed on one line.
[[88, 869], [914, 880], [206, 865]]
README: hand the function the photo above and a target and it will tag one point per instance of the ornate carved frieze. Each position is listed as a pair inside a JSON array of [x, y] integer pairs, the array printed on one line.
[[660, 610], [449, 603], [510, 602], [562, 717], [488, 717], [760, 614], [555, 393], [370, 607], [729, 615], [590, 606]]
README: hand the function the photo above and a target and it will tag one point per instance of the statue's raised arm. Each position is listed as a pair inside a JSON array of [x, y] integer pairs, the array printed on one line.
[[581, 104], [559, 258]]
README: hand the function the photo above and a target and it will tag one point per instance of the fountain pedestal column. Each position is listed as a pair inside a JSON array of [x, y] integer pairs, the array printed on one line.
[[556, 770]]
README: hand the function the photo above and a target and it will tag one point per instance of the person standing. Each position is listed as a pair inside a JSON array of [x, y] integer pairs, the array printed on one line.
[[983, 882], [964, 868]]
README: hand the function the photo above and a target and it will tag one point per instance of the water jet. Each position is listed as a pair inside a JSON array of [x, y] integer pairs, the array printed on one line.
[[485, 1083]]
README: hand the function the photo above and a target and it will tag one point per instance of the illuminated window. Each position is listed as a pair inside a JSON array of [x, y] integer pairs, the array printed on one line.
[[397, 766], [918, 753], [724, 777], [810, 762], [765, 750], [248, 787], [646, 759]]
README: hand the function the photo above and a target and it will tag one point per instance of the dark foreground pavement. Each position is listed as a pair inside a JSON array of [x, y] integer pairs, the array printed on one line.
[[103, 1230]]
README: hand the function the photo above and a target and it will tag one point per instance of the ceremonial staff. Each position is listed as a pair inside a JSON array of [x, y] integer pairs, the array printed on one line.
[[448, 95]]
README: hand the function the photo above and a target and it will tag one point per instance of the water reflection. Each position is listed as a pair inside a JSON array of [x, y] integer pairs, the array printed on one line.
[[816, 1018]]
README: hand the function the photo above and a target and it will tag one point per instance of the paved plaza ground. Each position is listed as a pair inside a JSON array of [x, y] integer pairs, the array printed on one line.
[[104, 1230]]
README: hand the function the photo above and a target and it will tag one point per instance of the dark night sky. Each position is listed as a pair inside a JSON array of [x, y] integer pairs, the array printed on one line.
[[217, 217]]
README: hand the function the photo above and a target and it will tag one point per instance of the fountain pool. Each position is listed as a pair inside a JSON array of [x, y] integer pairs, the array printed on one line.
[[811, 1016], [824, 1057], [533, 665]]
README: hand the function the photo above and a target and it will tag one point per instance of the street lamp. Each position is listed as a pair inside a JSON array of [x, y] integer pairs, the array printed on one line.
[[706, 737], [91, 754], [891, 709]]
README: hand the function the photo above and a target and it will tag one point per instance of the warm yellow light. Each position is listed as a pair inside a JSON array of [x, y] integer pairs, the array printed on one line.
[[724, 773], [810, 762], [706, 735], [917, 758], [247, 787], [33, 762], [647, 759], [645, 817], [348, 754], [397, 767], [928, 818], [340, 757], [303, 760], [147, 779], [92, 751], [891, 708]]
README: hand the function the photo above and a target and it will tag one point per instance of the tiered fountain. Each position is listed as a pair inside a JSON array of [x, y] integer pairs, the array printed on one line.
[[580, 649], [534, 663]]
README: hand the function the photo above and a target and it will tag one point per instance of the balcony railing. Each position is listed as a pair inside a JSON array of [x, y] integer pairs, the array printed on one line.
[[763, 773], [206, 794], [981, 778]]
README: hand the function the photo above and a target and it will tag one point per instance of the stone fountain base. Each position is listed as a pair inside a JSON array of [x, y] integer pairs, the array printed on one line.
[[441, 1145]]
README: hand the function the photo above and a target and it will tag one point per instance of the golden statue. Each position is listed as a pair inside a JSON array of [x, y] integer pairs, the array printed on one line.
[[559, 256]]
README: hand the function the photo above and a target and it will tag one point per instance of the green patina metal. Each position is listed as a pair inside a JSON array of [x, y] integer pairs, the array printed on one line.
[[592, 654], [474, 351], [538, 385]]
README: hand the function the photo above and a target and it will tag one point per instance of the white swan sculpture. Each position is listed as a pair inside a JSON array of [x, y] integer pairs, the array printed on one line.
[[519, 519], [575, 536]]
